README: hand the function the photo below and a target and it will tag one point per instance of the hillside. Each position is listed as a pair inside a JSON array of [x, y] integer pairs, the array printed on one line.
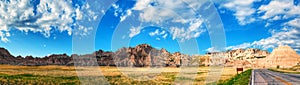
[[283, 56]]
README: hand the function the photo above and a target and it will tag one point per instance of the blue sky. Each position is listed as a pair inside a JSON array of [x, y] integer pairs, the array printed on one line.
[[40, 28]]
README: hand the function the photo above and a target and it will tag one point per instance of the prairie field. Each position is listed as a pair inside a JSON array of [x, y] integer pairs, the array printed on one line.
[[68, 75], [292, 70]]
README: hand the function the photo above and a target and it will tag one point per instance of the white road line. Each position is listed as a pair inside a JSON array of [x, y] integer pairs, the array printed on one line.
[[252, 77]]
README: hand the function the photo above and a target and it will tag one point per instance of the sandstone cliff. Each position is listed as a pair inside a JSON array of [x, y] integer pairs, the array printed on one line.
[[240, 57]]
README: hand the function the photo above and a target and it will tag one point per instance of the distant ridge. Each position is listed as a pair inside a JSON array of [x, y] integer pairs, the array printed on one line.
[[142, 55]]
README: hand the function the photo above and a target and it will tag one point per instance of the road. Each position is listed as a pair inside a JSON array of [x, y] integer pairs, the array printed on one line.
[[266, 77]]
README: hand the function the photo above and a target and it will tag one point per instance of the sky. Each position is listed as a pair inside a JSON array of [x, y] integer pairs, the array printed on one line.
[[40, 28]]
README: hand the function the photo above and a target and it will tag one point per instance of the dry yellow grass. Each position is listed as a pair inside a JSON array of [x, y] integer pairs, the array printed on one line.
[[122, 75], [38, 70], [294, 70]]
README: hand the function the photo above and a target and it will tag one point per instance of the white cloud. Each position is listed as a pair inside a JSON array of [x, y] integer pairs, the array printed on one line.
[[121, 13], [124, 16], [82, 31], [267, 25], [276, 18], [194, 30], [280, 38], [243, 46], [135, 31], [275, 10], [184, 34], [294, 22], [243, 10], [279, 7], [195, 25], [212, 49], [285, 36], [156, 32], [177, 16], [4, 39], [117, 9], [162, 32], [140, 5], [48, 15], [165, 36]]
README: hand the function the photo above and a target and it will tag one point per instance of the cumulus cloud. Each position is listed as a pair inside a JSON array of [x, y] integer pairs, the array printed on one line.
[[121, 13], [184, 34], [294, 23], [194, 30], [157, 11], [285, 36], [243, 10], [134, 31], [279, 7], [176, 16], [156, 32], [42, 17], [124, 16], [159, 34], [284, 10], [274, 10]]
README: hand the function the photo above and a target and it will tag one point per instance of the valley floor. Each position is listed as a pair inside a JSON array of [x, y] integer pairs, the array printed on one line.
[[124, 75]]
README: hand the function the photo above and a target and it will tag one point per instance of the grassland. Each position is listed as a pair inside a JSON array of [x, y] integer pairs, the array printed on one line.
[[68, 75], [240, 79], [292, 70]]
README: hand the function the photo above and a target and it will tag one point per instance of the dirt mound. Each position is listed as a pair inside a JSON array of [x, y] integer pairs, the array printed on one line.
[[283, 56]]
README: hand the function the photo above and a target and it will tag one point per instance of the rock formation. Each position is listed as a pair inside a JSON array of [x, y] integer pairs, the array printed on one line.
[[140, 56], [244, 54], [146, 56], [283, 57], [6, 57], [239, 57]]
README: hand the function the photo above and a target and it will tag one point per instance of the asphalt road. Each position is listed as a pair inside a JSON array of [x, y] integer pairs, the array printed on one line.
[[266, 77]]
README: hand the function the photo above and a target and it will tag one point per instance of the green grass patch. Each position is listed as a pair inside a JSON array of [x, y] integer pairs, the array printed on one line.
[[240, 79]]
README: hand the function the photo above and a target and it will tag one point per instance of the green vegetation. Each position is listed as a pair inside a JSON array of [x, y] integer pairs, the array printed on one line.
[[240, 57], [259, 56], [240, 79]]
